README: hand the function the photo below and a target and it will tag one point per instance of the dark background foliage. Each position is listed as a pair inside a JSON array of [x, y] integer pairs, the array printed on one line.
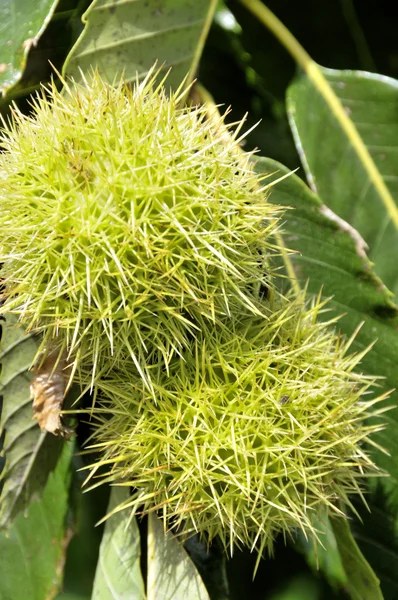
[[248, 69]]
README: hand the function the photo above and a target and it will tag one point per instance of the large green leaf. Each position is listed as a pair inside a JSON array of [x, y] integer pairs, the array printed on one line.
[[30, 454], [335, 169], [128, 36], [171, 573], [118, 575], [22, 23], [33, 550]]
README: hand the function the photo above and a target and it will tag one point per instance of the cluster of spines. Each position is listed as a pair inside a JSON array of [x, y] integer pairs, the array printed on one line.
[[134, 224], [254, 434]]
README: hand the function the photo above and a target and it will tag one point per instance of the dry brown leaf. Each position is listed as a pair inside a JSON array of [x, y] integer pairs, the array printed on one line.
[[48, 388]]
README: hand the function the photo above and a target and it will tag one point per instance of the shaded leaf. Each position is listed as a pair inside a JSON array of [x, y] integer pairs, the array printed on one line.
[[376, 535], [171, 573], [128, 36], [33, 550], [30, 454], [211, 564], [82, 555], [362, 583], [333, 167], [325, 555], [118, 575], [22, 22]]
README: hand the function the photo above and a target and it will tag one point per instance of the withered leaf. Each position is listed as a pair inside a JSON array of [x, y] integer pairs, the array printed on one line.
[[48, 388]]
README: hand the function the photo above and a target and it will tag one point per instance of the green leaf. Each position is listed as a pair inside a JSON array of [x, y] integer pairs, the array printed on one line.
[[128, 36], [211, 563], [118, 575], [33, 550], [335, 169], [327, 257], [22, 22], [30, 454], [362, 583], [376, 535], [323, 556], [82, 555], [171, 573]]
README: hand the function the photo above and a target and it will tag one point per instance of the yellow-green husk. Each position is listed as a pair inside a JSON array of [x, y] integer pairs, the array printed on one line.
[[128, 223], [257, 432]]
